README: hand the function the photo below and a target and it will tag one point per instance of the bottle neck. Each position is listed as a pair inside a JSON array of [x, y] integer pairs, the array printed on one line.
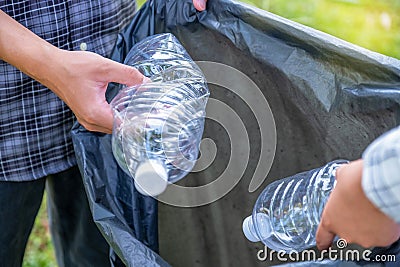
[[151, 178]]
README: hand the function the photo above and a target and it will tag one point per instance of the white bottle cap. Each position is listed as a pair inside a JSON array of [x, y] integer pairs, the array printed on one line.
[[248, 229], [151, 178]]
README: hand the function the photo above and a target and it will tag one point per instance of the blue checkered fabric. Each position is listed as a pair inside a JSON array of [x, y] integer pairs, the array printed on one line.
[[35, 124], [381, 173]]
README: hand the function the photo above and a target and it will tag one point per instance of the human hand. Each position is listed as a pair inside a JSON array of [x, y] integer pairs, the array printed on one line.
[[350, 215], [80, 79], [200, 5]]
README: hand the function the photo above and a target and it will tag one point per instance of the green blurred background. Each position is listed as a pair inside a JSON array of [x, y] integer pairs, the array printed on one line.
[[373, 24]]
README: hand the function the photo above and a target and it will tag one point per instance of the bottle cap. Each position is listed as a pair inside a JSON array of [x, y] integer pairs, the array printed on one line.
[[248, 230], [151, 178]]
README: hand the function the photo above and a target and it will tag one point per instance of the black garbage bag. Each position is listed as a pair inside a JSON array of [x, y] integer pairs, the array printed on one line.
[[127, 219], [321, 99]]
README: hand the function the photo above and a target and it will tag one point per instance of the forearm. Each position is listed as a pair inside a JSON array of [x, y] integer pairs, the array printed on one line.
[[25, 50], [78, 78]]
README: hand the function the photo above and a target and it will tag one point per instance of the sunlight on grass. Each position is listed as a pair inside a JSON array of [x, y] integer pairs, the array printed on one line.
[[373, 24]]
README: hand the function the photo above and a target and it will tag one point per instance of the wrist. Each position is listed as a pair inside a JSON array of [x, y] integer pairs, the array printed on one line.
[[50, 68], [350, 176], [44, 65]]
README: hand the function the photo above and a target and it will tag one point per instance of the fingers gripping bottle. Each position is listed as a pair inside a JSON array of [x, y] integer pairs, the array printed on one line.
[[287, 213], [158, 125]]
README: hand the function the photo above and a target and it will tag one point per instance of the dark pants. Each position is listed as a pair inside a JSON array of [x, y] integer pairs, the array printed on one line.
[[76, 238]]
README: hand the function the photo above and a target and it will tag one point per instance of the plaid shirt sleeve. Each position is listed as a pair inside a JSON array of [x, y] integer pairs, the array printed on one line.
[[35, 139], [381, 175]]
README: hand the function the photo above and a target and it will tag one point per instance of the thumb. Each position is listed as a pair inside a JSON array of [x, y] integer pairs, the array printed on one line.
[[124, 74]]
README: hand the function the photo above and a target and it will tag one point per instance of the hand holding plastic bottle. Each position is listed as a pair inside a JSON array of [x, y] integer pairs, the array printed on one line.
[[287, 213], [350, 215], [158, 125]]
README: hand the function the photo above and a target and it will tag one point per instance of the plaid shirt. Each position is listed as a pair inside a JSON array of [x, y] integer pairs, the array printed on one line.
[[35, 124], [381, 173]]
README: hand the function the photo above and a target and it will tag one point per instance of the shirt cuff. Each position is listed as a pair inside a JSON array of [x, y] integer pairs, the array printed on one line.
[[381, 173]]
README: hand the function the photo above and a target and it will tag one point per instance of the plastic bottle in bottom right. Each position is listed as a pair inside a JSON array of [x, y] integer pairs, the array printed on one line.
[[287, 213]]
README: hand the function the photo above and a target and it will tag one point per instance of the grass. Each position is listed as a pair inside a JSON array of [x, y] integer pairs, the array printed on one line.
[[373, 24], [39, 250]]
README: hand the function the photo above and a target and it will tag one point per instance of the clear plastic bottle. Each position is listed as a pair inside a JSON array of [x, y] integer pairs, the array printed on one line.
[[161, 57], [158, 125], [287, 213]]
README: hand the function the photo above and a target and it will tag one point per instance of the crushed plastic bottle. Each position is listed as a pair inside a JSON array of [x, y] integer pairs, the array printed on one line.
[[287, 213], [158, 125]]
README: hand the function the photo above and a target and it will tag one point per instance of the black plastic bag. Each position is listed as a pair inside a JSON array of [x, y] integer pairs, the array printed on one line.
[[329, 99], [127, 219]]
